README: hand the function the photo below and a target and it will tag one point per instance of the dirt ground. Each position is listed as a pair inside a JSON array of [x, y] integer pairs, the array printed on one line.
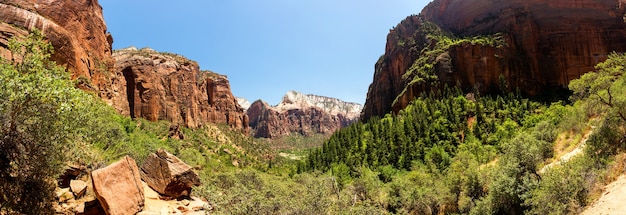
[[612, 201]]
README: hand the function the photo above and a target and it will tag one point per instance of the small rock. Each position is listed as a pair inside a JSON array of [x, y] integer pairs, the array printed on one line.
[[197, 204], [80, 208], [78, 187], [71, 172], [64, 194], [90, 207], [182, 209], [185, 202]]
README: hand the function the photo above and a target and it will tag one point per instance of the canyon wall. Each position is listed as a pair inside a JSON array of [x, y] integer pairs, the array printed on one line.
[[137, 83], [76, 29], [163, 86], [547, 44]]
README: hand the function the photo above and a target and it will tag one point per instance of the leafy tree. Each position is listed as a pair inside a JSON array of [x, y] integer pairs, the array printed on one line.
[[606, 86], [38, 108]]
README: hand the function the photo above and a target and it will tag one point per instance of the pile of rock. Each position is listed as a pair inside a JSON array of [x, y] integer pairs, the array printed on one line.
[[161, 186]]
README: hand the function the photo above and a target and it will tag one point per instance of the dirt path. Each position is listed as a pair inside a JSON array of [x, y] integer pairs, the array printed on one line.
[[612, 201], [580, 148]]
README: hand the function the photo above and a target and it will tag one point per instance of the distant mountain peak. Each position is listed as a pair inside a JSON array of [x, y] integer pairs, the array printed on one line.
[[300, 113], [244, 103], [334, 106]]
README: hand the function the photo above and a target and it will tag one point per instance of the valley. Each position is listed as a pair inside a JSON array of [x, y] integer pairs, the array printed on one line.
[[475, 107]]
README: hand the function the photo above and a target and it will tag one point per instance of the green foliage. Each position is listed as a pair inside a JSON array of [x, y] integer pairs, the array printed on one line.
[[437, 43], [562, 189], [252, 192], [39, 109], [429, 130], [605, 86]]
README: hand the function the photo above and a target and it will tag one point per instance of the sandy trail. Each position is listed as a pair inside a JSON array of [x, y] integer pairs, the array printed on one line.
[[612, 201], [566, 157]]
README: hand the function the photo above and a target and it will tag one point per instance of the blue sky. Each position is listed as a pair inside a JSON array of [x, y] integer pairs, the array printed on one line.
[[266, 48]]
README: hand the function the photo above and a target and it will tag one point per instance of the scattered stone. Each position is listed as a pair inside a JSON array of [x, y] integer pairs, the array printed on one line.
[[168, 175], [197, 204], [78, 187], [175, 132], [118, 187], [182, 209], [71, 172], [64, 194], [185, 202]]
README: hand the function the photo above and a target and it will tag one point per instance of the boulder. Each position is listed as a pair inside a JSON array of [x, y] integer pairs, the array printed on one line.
[[168, 175], [78, 188], [118, 187]]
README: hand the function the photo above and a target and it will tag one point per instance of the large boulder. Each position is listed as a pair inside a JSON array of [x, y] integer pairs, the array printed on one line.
[[118, 187], [168, 175]]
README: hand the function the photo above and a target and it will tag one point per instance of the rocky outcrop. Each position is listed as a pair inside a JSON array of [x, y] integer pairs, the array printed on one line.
[[118, 187], [168, 175], [546, 44], [163, 86], [76, 29], [300, 113]]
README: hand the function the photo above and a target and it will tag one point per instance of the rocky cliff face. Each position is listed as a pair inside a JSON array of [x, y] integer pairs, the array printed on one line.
[[141, 84], [161, 86], [76, 29], [546, 44], [303, 114]]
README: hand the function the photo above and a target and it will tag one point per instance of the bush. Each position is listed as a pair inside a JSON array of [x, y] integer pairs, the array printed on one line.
[[38, 108]]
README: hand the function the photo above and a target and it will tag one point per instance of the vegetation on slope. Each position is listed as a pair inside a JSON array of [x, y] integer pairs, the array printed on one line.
[[445, 153]]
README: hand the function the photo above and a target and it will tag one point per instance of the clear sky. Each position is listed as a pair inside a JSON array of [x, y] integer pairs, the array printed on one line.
[[266, 48]]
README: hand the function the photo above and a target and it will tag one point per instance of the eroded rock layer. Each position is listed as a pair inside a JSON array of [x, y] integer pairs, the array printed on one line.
[[140, 84], [547, 44], [76, 29], [160, 86], [302, 114]]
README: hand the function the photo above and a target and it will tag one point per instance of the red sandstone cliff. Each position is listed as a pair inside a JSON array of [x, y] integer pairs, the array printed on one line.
[[140, 84], [76, 29], [548, 43], [302, 114], [160, 86]]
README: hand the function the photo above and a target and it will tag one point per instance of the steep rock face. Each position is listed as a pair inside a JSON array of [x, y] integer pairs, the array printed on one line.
[[76, 29], [547, 44], [300, 113], [160, 86]]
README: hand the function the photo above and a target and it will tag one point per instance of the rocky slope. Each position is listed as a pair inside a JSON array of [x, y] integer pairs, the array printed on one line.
[[162, 86], [76, 29], [300, 113], [545, 45]]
